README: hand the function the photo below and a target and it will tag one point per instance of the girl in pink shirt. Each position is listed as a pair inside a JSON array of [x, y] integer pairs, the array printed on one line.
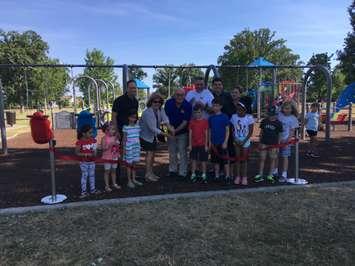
[[110, 148]]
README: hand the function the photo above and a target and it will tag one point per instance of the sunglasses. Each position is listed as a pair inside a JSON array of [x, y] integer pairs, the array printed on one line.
[[156, 102]]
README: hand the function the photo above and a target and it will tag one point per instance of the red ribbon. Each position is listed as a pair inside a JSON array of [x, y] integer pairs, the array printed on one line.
[[246, 156]]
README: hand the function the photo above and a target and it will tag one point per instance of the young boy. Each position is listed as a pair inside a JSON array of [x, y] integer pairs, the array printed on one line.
[[198, 142], [312, 123], [270, 134], [219, 134]]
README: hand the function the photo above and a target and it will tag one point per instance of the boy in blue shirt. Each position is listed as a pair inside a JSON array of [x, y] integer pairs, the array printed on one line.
[[219, 134]]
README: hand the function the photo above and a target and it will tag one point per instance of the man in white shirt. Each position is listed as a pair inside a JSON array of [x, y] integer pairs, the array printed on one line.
[[201, 95]]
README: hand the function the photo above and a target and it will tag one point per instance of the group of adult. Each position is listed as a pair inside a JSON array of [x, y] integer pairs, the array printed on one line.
[[174, 116]]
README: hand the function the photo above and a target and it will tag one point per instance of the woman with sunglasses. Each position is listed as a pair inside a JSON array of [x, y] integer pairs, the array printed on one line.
[[151, 122]]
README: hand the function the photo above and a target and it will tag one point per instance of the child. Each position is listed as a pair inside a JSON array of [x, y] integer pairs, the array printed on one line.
[[85, 147], [110, 147], [131, 147], [198, 142], [219, 134], [243, 124], [312, 123], [288, 118], [270, 134]]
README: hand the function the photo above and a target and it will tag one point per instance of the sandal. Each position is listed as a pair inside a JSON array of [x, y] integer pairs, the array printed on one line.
[[108, 189]]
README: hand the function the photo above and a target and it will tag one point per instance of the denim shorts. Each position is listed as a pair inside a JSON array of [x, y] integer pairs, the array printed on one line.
[[285, 151]]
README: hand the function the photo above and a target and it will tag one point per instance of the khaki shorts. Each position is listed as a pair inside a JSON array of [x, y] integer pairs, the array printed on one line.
[[272, 152]]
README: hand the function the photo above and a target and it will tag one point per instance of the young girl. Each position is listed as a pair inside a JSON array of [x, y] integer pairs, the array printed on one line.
[[288, 118], [312, 124], [131, 148], [110, 148], [85, 147], [243, 125]]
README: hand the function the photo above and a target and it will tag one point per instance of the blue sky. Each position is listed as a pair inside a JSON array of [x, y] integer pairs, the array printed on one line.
[[173, 31]]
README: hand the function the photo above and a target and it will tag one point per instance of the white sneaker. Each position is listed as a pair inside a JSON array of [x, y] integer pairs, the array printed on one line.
[[283, 179]]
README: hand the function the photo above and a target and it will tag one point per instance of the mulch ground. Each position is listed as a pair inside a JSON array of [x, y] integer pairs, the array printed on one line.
[[25, 175]]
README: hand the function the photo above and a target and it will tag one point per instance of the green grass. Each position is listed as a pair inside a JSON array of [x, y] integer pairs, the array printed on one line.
[[303, 227]]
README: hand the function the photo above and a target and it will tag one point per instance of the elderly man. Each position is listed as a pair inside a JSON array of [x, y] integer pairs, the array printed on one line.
[[179, 112], [201, 95], [123, 104]]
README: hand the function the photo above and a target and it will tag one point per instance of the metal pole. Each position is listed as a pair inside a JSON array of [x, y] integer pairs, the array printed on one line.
[[304, 102], [274, 83], [74, 94], [169, 85], [124, 77], [350, 122], [258, 97], [2, 122], [89, 96], [52, 165], [297, 155]]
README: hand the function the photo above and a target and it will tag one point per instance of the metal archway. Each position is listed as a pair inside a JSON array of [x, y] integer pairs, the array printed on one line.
[[328, 77], [215, 73], [113, 89], [106, 87], [93, 81]]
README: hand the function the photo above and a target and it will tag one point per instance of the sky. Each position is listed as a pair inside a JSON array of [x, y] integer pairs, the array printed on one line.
[[174, 31]]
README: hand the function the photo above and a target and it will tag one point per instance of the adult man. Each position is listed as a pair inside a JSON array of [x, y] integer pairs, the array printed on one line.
[[179, 112], [225, 97], [122, 105], [201, 95]]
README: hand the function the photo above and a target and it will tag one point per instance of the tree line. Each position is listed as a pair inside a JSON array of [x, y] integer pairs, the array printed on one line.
[[34, 87]]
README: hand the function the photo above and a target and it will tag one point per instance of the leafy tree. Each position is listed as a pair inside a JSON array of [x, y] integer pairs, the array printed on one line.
[[20, 48], [165, 78], [185, 76], [135, 72], [317, 86], [97, 57], [248, 45], [347, 56], [338, 82]]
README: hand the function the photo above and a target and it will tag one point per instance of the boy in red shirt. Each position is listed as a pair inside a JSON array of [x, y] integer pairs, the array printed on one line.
[[198, 142]]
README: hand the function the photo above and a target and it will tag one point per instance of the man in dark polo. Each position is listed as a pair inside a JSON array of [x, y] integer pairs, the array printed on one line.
[[179, 113], [225, 97], [122, 105]]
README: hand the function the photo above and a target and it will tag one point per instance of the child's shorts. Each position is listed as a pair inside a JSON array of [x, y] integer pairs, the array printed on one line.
[[216, 155], [242, 154], [109, 166], [272, 152], [311, 133], [199, 154], [246, 144], [285, 151]]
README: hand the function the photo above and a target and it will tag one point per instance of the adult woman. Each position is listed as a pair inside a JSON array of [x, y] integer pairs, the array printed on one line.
[[151, 121]]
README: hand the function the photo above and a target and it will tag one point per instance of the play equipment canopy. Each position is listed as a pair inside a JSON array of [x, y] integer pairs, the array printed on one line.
[[346, 97], [141, 85]]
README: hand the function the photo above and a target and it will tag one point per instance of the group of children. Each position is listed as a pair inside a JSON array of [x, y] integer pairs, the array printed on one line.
[[227, 140], [86, 148]]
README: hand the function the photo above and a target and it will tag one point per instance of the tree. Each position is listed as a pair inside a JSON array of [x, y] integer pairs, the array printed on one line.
[[97, 57], [338, 82], [185, 76], [248, 45], [20, 48], [136, 72], [165, 79], [317, 85], [347, 56]]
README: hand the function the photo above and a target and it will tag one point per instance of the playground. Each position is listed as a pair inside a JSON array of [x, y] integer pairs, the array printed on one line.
[[25, 173]]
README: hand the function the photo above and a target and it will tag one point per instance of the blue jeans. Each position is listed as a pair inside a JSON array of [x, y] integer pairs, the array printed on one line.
[[87, 170], [178, 154]]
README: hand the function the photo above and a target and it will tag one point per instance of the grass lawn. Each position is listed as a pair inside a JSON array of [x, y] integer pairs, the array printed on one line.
[[300, 227]]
